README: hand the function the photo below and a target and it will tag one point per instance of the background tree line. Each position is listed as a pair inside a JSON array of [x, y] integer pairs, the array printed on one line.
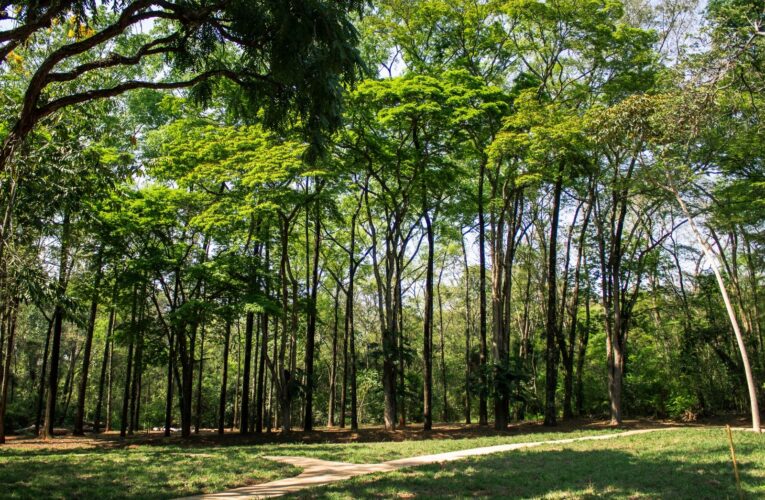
[[257, 216]]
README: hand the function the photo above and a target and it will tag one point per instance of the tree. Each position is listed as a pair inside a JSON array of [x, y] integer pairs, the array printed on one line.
[[301, 74]]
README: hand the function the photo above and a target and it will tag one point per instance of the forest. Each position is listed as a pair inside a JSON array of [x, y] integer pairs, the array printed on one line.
[[272, 216]]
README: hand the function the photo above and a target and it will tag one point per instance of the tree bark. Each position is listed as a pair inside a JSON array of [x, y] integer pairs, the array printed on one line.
[[169, 385], [43, 369], [427, 349], [104, 366], [551, 353], [58, 320], [483, 412], [715, 263], [244, 414], [311, 327], [11, 322], [198, 420], [333, 364], [468, 319], [83, 387], [224, 378]]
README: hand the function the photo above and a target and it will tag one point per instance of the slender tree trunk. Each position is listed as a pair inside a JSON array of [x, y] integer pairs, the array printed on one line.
[[468, 319], [198, 421], [399, 367], [224, 378], [344, 390], [244, 414], [551, 353], [109, 399], [584, 338], [333, 365], [41, 387], [568, 358], [104, 366], [135, 391], [445, 408], [311, 328], [260, 393], [427, 349], [82, 390], [169, 385], [235, 419], [715, 263], [483, 412], [350, 333], [11, 322], [58, 320], [126, 392], [69, 383]]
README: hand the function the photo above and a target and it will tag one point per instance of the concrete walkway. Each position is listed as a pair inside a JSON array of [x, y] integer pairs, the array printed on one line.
[[320, 472]]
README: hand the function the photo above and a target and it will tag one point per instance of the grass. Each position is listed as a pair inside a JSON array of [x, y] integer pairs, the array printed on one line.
[[691, 463], [370, 453], [150, 472]]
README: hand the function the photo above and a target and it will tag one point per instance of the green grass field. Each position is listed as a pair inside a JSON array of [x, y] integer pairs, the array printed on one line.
[[690, 463]]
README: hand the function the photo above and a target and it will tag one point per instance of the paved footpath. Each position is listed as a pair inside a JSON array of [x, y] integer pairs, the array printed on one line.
[[320, 472]]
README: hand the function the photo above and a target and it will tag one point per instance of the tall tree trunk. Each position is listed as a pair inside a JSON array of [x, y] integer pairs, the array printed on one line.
[[260, 393], [198, 421], [568, 347], [235, 418], [311, 327], [333, 364], [135, 389], [11, 322], [468, 319], [483, 412], [715, 263], [244, 414], [69, 383], [551, 352], [58, 320], [445, 408], [344, 389], [80, 412], [129, 369], [584, 339], [126, 392], [43, 369], [261, 397], [350, 332], [104, 366], [399, 320], [427, 348], [224, 378], [109, 399], [169, 384]]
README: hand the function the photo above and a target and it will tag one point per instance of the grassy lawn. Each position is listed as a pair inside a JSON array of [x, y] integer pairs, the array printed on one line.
[[692, 463], [137, 471], [370, 453], [104, 468], [688, 464]]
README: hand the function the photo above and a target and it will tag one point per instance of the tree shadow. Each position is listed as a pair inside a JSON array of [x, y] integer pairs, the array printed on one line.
[[150, 473], [556, 474]]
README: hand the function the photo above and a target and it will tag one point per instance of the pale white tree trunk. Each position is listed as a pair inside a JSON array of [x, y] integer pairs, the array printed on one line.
[[715, 263]]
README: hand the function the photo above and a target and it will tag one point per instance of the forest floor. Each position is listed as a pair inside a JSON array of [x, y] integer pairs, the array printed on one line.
[[692, 462]]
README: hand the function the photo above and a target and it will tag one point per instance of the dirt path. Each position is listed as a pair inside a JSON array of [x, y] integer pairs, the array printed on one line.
[[320, 472]]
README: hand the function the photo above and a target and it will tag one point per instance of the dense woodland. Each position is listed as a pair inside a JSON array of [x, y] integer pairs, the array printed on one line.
[[260, 216]]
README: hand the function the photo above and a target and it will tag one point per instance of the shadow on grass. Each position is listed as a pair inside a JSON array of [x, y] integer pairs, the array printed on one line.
[[136, 473], [555, 474]]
